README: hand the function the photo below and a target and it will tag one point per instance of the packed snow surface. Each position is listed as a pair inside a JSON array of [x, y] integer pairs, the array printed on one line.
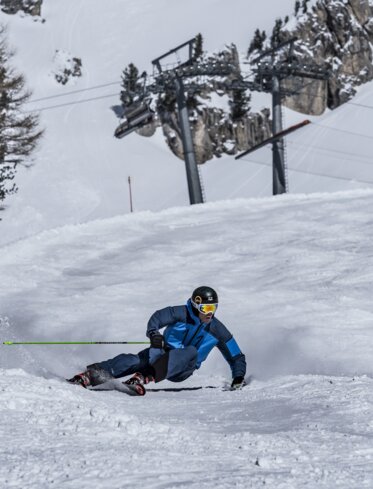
[[294, 277]]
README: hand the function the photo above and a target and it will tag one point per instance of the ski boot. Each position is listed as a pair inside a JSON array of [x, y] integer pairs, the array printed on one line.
[[94, 375], [82, 379], [138, 380]]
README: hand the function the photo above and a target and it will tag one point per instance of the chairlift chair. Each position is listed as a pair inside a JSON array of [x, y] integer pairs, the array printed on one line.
[[137, 114]]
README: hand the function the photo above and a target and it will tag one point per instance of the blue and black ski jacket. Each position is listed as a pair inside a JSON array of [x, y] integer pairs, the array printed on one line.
[[184, 328]]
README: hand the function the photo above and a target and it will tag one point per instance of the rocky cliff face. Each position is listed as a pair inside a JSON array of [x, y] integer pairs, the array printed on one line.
[[337, 34], [215, 134], [32, 7]]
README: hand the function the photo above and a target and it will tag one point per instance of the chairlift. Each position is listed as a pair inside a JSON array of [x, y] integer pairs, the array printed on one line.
[[137, 114]]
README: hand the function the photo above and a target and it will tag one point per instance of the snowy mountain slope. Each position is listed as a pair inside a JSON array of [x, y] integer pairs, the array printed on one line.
[[81, 171], [294, 278]]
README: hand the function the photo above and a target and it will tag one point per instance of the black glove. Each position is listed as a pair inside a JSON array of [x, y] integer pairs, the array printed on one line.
[[156, 340], [238, 383]]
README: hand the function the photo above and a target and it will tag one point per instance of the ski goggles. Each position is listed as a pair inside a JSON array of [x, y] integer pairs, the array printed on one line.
[[206, 308]]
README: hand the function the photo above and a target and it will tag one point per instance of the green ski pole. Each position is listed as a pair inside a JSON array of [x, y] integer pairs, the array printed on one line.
[[76, 342]]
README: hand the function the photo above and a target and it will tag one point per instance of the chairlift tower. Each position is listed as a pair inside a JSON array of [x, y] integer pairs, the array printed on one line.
[[273, 66], [192, 172], [178, 79]]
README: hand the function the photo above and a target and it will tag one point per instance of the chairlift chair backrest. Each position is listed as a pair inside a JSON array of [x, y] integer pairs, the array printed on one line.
[[137, 115]]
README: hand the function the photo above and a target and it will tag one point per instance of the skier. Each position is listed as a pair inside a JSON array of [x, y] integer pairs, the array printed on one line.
[[192, 330]]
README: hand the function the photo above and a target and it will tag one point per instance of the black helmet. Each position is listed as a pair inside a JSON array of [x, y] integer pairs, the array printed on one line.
[[204, 295]]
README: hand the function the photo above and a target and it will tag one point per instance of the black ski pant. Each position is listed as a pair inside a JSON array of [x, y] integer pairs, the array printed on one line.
[[175, 365]]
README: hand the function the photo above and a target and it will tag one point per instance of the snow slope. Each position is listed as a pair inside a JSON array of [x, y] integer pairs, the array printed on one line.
[[293, 432], [294, 277], [81, 171]]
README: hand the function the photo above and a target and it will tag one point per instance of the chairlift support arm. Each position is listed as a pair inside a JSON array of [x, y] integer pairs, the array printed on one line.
[[273, 138], [156, 61]]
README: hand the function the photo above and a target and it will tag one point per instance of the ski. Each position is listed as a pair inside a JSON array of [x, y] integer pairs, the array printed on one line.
[[197, 388], [181, 389], [118, 385], [139, 389], [226, 387]]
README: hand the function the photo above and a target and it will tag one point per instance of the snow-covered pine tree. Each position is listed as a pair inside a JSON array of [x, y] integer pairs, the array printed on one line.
[[192, 100], [131, 84], [305, 6], [296, 7], [257, 42], [276, 33], [239, 104], [198, 47], [19, 131]]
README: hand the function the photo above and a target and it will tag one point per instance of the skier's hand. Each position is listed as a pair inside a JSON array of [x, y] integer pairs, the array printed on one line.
[[237, 383], [156, 340]]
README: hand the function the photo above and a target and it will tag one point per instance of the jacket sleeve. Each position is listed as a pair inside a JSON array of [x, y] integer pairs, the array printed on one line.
[[165, 317], [230, 349]]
